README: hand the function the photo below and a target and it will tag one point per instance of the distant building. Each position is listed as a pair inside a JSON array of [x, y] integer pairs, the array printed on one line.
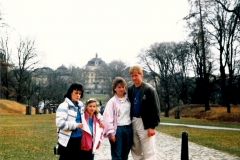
[[63, 72], [91, 79], [94, 82], [40, 75]]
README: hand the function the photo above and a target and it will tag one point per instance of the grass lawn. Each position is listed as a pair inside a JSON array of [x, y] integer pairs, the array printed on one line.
[[24, 137], [226, 141], [99, 97], [27, 137], [202, 122]]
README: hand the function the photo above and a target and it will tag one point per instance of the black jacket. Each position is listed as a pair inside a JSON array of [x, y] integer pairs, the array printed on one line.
[[149, 105]]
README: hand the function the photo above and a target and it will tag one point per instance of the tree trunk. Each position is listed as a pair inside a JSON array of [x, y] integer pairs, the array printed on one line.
[[225, 97], [206, 80]]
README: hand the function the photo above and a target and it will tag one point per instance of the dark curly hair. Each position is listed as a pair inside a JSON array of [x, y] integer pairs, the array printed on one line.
[[74, 86]]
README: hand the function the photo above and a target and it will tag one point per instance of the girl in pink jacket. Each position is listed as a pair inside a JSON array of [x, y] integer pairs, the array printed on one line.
[[91, 131]]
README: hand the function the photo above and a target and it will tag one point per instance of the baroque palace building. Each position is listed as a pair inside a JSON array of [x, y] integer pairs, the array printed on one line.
[[94, 83]]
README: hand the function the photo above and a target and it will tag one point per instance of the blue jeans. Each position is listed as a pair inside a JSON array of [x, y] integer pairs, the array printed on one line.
[[121, 147]]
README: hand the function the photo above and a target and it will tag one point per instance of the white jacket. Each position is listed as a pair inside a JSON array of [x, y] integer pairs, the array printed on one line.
[[89, 138], [66, 120]]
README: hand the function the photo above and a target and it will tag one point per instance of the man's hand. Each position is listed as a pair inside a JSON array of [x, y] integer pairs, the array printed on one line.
[[151, 132]]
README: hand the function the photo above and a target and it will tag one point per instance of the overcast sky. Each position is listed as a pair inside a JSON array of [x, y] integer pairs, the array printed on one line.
[[71, 32]]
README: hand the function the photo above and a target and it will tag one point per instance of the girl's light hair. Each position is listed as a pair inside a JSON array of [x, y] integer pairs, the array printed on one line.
[[91, 100], [136, 68]]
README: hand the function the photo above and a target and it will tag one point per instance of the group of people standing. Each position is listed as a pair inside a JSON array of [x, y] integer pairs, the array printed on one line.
[[129, 121]]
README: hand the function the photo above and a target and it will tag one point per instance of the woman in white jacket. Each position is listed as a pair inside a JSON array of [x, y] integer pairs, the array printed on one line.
[[69, 123]]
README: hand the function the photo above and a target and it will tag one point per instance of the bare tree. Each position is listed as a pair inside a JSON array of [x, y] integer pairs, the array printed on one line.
[[78, 75], [56, 88], [225, 36], [5, 64], [235, 6], [182, 84], [166, 62], [25, 65], [30, 88], [109, 71], [197, 6]]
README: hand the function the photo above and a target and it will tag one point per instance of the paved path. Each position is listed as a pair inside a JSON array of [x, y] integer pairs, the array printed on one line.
[[169, 148], [198, 126]]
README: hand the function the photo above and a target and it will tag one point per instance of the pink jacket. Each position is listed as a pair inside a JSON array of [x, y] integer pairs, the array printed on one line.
[[110, 116], [88, 141]]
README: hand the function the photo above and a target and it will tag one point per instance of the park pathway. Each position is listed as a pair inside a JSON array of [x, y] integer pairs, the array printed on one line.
[[198, 126], [169, 148]]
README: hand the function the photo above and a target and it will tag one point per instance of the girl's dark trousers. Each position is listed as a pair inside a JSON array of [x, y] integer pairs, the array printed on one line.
[[72, 151]]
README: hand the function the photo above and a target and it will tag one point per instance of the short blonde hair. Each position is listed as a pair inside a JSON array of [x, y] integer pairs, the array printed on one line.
[[136, 68], [117, 81]]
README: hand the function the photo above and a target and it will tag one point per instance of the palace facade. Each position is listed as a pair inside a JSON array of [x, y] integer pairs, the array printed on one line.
[[94, 83]]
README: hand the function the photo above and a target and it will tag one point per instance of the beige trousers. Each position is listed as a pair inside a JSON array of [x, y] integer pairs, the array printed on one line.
[[143, 147]]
